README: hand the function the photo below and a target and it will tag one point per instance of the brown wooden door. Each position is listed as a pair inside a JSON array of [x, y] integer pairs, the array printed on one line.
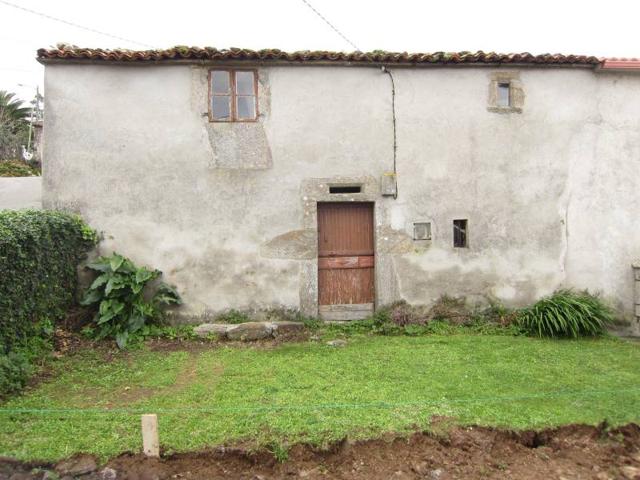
[[345, 260]]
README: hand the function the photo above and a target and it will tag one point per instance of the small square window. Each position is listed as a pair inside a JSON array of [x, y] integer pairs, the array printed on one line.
[[503, 98], [460, 234], [233, 96], [422, 231]]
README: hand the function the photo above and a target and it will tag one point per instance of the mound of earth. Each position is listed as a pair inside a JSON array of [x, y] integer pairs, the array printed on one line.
[[570, 452]]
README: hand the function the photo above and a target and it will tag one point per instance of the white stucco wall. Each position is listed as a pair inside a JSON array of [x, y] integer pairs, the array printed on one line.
[[224, 210]]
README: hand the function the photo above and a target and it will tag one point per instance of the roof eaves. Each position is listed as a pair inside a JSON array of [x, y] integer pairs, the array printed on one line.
[[620, 64], [212, 55]]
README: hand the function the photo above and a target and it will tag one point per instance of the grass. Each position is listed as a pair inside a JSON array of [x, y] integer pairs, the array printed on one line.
[[316, 393], [567, 314]]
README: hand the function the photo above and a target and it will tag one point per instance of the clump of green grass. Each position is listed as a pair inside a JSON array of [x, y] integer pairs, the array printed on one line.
[[567, 314], [233, 317]]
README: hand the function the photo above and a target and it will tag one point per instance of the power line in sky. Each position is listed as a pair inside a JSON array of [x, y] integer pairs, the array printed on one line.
[[60, 20], [328, 23]]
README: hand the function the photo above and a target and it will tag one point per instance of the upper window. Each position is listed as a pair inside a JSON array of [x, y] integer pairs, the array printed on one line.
[[233, 96], [504, 94]]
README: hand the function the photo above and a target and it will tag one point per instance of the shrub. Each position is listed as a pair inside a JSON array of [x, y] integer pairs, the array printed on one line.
[[13, 135], [233, 317], [497, 314], [451, 309], [382, 316], [15, 370], [446, 308], [17, 168], [403, 314], [124, 298], [566, 314], [39, 254]]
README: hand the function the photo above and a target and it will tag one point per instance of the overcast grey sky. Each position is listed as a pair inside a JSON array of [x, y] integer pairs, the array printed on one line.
[[601, 28]]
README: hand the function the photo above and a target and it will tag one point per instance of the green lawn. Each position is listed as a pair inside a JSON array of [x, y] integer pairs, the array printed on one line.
[[313, 392]]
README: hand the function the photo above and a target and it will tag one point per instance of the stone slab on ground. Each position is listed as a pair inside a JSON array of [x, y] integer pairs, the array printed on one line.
[[207, 329], [249, 331], [286, 326]]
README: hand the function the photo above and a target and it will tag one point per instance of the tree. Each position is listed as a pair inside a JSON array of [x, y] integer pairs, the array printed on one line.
[[14, 125], [11, 109]]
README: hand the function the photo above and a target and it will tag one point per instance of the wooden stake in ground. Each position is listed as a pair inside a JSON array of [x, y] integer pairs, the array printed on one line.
[[150, 442]]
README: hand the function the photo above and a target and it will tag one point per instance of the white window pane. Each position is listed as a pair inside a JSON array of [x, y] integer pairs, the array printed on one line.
[[220, 82], [244, 83], [504, 95], [246, 107], [221, 107]]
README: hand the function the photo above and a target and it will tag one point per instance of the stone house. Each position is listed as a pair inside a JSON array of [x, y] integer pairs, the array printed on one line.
[[337, 182]]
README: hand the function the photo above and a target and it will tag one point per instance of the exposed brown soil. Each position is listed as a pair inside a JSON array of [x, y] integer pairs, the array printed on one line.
[[184, 378], [571, 452], [193, 345], [180, 345]]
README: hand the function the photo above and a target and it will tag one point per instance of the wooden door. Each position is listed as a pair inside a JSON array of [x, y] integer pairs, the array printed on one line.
[[345, 260]]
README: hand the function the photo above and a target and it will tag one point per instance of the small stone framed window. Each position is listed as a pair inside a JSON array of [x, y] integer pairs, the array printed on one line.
[[460, 228], [506, 92], [233, 95], [422, 231]]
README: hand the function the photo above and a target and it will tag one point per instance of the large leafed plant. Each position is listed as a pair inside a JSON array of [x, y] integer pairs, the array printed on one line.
[[127, 298]]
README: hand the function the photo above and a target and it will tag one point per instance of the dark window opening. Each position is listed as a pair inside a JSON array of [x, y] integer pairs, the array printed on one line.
[[460, 233], [346, 189]]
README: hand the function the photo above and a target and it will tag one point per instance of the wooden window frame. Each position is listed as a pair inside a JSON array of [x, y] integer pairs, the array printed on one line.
[[232, 80]]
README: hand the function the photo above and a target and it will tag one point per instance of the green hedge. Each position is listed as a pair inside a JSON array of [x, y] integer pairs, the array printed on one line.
[[16, 168], [39, 254]]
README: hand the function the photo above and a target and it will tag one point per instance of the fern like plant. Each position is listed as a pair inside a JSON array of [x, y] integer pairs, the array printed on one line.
[[566, 314], [124, 298]]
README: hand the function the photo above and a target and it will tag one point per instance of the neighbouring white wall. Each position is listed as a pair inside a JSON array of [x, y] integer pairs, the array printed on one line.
[[603, 192], [225, 210], [20, 192]]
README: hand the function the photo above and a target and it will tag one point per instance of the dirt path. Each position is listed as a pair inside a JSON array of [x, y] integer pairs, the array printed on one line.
[[571, 452]]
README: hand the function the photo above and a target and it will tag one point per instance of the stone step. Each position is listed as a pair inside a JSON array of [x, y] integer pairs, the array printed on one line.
[[249, 331]]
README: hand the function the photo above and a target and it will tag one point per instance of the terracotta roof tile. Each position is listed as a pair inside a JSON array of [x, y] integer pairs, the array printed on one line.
[[621, 64], [73, 53]]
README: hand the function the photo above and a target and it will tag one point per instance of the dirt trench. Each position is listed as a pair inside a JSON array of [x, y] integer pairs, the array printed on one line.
[[570, 452]]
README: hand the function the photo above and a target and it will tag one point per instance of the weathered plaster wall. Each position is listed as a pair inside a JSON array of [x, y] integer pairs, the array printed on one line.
[[602, 195], [227, 210]]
